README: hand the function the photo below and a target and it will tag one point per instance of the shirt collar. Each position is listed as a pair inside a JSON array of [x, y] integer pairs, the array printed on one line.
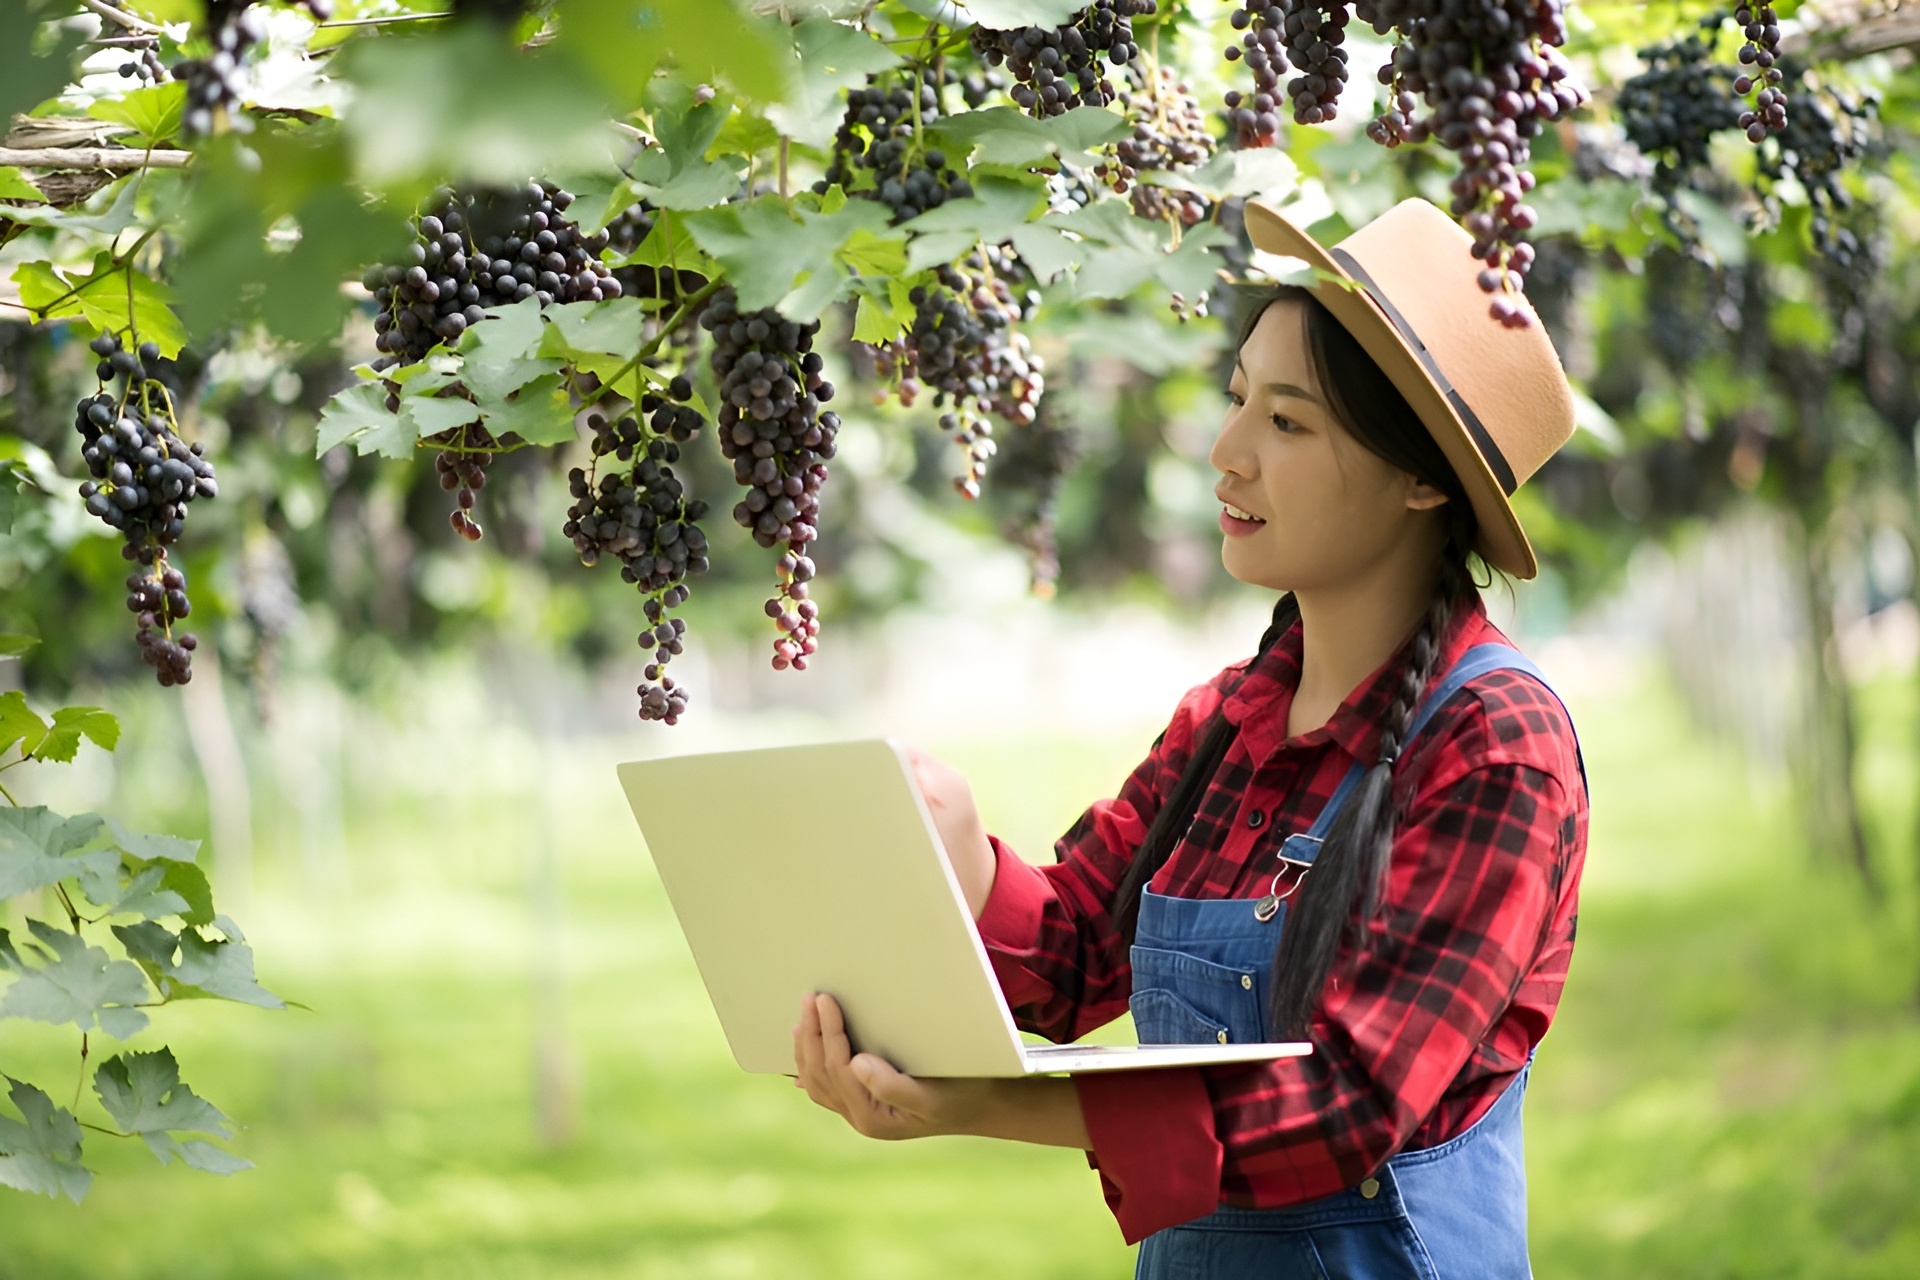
[[1259, 706]]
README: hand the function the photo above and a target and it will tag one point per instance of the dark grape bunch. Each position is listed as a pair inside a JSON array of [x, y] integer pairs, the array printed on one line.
[[1169, 136], [461, 464], [881, 137], [630, 505], [1314, 32], [144, 478], [1671, 110], [1056, 69], [1828, 130], [1760, 52], [1255, 116], [963, 345], [479, 250], [779, 440], [1026, 477], [213, 82], [1490, 74]]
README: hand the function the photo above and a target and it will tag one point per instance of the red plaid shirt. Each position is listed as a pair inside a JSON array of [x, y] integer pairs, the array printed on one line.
[[1413, 1040]]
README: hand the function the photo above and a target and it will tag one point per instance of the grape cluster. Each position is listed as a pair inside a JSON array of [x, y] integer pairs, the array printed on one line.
[[479, 250], [142, 52], [630, 505], [144, 477], [1169, 136], [1255, 116], [213, 82], [1314, 32], [1828, 130], [461, 464], [1490, 74], [881, 136], [963, 345], [1672, 109], [779, 440], [1027, 476], [1760, 52], [1056, 69]]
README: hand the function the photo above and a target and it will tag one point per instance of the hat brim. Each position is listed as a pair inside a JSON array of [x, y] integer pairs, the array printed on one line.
[[1502, 542]]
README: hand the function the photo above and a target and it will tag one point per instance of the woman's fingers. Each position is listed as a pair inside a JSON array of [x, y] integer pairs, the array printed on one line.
[[809, 1058]]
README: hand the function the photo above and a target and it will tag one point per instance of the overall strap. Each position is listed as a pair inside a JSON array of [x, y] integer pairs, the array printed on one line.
[[1302, 849]]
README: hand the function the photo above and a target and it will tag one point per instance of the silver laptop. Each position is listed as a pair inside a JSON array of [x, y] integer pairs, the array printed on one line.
[[818, 868]]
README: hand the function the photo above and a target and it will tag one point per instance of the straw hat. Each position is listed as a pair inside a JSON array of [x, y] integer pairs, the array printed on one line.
[[1495, 398]]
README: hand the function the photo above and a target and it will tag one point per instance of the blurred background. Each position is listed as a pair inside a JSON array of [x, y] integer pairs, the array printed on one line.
[[399, 749]]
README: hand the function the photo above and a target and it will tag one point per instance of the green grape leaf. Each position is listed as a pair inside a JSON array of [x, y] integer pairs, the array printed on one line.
[[39, 847], [1266, 172], [502, 352], [684, 126], [150, 847], [595, 337], [670, 244], [537, 412], [824, 59], [868, 254], [41, 1155], [144, 1094], [624, 43], [1004, 136], [29, 77], [79, 984], [207, 969], [766, 246], [155, 113], [62, 742], [430, 415], [16, 646], [14, 186], [188, 882], [19, 723], [1123, 252], [112, 298], [359, 416], [1011, 15], [997, 206], [142, 894], [698, 186], [875, 321]]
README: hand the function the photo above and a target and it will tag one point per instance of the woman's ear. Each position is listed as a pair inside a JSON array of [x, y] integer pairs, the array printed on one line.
[[1422, 496]]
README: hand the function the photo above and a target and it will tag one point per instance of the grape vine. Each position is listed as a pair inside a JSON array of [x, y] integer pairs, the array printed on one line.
[[1056, 69]]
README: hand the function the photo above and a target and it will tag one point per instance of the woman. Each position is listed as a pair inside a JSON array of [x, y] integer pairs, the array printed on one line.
[[1370, 835]]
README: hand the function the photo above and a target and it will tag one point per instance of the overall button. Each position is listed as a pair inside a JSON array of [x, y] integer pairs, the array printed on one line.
[[1256, 819], [1246, 982], [1370, 1188], [1223, 1037]]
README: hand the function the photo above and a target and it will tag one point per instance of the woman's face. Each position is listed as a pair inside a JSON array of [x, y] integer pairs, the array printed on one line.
[[1321, 510]]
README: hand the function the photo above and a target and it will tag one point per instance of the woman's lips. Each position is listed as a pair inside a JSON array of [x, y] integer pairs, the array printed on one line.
[[1235, 527]]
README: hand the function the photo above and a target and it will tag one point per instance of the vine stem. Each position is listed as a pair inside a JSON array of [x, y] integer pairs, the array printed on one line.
[[79, 1086], [8, 794], [382, 22], [122, 18], [118, 260], [92, 158]]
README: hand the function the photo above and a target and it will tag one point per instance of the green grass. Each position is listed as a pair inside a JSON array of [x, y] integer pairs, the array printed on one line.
[[1732, 1088]]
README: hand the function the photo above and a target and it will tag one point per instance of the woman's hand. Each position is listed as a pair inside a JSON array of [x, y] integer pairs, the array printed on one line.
[[951, 800], [880, 1102]]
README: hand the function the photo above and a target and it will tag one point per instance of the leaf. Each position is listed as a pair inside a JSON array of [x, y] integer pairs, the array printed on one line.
[[825, 58], [624, 43], [596, 337], [112, 297], [149, 848], [39, 847], [868, 254], [430, 415], [69, 723], [698, 186], [41, 1155], [14, 186], [1002, 135], [141, 895], [502, 353], [990, 214], [538, 413], [19, 723], [77, 983], [874, 322], [1266, 172], [16, 647], [1011, 15], [144, 1094], [217, 969], [359, 416], [154, 113], [120, 212], [670, 244], [27, 77], [766, 245]]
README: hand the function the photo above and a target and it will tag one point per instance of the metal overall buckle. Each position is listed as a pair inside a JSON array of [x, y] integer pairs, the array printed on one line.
[[1269, 906]]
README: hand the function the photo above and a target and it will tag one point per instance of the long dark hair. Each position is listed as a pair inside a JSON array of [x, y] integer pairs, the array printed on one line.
[[1345, 887]]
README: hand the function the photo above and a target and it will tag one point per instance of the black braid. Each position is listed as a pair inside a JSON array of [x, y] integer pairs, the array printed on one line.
[[1347, 883], [1170, 824]]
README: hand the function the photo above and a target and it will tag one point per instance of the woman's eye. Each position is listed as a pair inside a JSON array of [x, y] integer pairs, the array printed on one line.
[[1233, 397], [1285, 423]]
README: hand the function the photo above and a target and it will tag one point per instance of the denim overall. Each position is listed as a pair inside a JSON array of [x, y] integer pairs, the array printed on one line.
[[1457, 1211]]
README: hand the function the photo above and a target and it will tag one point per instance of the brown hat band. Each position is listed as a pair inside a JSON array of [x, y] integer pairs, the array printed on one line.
[[1482, 438]]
